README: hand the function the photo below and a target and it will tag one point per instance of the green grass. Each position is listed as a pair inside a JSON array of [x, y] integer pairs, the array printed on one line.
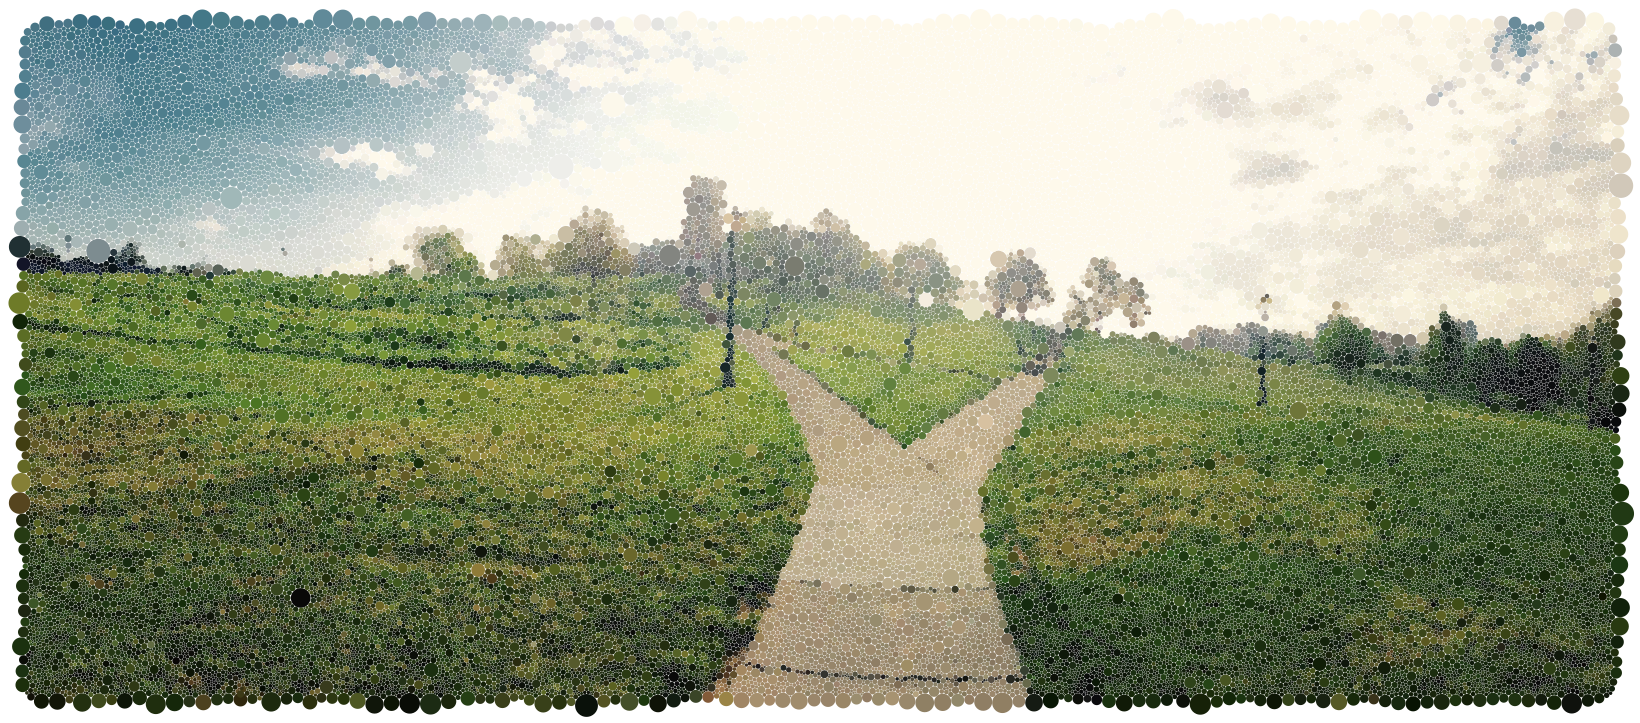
[[1155, 531], [858, 351], [184, 481]]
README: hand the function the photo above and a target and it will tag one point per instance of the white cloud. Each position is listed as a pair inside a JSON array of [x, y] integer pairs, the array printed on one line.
[[425, 150], [509, 111], [391, 76], [633, 51], [296, 69], [386, 162], [209, 225]]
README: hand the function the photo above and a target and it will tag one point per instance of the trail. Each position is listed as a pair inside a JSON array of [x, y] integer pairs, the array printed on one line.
[[885, 596]]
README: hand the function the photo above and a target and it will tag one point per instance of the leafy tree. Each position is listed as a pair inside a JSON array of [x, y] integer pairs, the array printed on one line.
[[1110, 294], [1534, 373], [918, 269], [1594, 351], [701, 243], [517, 257], [591, 245], [1442, 358], [1346, 346], [130, 258], [439, 251], [1486, 371], [1017, 284]]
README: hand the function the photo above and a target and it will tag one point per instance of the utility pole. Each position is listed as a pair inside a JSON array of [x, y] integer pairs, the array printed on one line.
[[729, 338]]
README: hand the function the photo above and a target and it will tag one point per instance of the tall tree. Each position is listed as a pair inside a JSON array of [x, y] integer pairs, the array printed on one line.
[[1486, 370], [1347, 346], [591, 245], [439, 251], [918, 269], [1534, 373], [1594, 354], [1109, 295], [517, 257], [1017, 284], [1442, 358], [702, 233]]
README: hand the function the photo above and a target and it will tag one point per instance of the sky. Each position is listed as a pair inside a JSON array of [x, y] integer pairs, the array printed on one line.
[[1390, 164]]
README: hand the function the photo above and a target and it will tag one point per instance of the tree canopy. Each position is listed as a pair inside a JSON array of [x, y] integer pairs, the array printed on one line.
[[591, 245]]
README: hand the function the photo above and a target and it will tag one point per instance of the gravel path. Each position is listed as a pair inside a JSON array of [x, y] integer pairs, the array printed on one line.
[[885, 598]]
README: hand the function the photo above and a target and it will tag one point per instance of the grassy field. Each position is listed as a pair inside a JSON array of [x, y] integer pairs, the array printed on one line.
[[858, 351], [1156, 532], [493, 489]]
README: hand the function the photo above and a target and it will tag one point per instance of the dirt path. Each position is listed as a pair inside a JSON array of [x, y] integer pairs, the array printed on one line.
[[885, 596]]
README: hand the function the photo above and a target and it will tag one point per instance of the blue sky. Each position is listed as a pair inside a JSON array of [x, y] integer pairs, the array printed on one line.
[[1335, 181]]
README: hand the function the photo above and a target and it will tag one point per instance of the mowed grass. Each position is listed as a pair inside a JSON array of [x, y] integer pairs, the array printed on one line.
[[1154, 531], [859, 353], [607, 522]]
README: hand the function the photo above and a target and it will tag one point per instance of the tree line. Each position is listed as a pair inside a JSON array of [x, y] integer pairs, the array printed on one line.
[[1578, 371]]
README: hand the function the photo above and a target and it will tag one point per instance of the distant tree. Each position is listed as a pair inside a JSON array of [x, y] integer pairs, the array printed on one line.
[[918, 269], [1017, 284], [702, 240], [1346, 346], [1486, 371], [591, 245], [130, 258], [439, 251], [1534, 373], [516, 257], [396, 269], [1109, 295], [42, 258], [1594, 353], [1442, 359]]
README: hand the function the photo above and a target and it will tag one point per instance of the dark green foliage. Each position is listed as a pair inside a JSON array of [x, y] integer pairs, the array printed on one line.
[[1535, 371], [1345, 346], [1444, 354], [1489, 368]]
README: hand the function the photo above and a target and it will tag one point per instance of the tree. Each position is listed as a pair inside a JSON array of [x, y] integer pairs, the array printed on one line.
[[1534, 373], [1594, 353], [439, 251], [591, 245], [1442, 358], [1486, 371], [702, 240], [1017, 284], [130, 258], [1346, 346], [1110, 295], [918, 269], [516, 257]]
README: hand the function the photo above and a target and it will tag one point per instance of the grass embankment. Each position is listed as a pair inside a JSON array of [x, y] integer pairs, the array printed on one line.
[[1156, 532], [210, 520], [859, 352]]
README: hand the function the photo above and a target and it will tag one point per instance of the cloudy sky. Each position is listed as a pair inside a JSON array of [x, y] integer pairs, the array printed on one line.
[[1390, 163]]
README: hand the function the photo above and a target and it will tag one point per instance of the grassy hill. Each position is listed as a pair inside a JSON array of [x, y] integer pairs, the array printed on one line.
[[489, 489], [1155, 531]]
